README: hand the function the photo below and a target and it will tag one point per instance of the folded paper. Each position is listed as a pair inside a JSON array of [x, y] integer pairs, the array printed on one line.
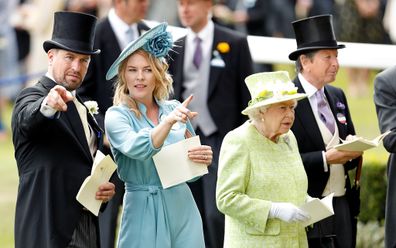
[[360, 144], [174, 166], [318, 209], [101, 172]]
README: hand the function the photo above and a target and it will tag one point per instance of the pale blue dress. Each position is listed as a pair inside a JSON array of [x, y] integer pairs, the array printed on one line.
[[152, 217]]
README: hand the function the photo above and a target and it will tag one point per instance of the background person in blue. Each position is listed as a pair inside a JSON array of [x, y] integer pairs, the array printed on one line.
[[139, 124]]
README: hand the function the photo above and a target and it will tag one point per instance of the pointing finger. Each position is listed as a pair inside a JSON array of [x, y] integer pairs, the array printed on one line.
[[187, 101]]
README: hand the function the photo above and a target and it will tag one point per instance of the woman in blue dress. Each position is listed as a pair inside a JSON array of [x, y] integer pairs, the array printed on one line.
[[139, 124]]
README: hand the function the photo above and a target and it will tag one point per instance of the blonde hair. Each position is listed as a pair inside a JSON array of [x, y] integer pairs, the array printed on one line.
[[163, 81]]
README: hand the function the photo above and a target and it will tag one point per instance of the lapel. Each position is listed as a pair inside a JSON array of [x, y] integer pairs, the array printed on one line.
[[109, 39], [215, 72], [332, 99], [307, 118], [97, 131], [71, 119], [178, 58], [74, 120]]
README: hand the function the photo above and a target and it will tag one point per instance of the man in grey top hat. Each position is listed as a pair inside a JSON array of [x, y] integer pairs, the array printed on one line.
[[55, 140], [321, 120]]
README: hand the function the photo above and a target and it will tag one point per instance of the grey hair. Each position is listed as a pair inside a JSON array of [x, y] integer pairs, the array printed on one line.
[[309, 55], [255, 114]]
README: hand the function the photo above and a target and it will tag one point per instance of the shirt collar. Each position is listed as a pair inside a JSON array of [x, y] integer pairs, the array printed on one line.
[[118, 25], [142, 108], [309, 89], [204, 34]]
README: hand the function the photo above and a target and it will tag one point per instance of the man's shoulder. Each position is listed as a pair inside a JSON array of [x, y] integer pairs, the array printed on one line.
[[389, 74], [225, 32], [334, 90], [102, 24]]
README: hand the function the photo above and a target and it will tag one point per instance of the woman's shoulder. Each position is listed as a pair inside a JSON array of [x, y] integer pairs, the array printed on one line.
[[240, 132], [117, 108], [169, 104]]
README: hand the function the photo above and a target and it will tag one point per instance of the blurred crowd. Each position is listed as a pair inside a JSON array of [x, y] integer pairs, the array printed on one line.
[[25, 25]]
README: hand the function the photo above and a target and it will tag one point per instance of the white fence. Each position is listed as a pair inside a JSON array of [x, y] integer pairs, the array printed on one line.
[[276, 50]]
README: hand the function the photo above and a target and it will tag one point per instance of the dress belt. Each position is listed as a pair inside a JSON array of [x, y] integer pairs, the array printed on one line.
[[155, 222], [152, 189]]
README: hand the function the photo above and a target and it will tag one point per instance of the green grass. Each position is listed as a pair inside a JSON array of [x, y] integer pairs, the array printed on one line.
[[362, 111], [8, 186]]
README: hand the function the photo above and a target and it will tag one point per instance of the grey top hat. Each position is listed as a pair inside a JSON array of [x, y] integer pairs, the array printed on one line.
[[74, 32], [314, 33]]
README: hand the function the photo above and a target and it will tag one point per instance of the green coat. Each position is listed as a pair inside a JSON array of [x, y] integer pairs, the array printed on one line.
[[253, 172]]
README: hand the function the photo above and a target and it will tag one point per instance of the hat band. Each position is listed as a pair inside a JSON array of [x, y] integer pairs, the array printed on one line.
[[322, 43], [270, 94], [74, 44]]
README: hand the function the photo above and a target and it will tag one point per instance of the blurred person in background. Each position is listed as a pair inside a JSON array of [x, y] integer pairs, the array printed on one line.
[[36, 16], [361, 21], [390, 19], [8, 59], [247, 16], [85, 6], [210, 62], [156, 12], [122, 25], [262, 180], [322, 119]]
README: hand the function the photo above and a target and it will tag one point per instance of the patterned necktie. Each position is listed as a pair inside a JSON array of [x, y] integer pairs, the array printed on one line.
[[197, 59], [324, 111]]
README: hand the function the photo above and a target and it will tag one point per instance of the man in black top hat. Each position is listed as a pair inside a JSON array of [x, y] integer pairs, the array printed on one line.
[[55, 139], [321, 120]]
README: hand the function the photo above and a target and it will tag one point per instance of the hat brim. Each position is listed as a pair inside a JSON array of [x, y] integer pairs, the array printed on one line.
[[273, 100], [132, 47], [294, 55], [50, 44]]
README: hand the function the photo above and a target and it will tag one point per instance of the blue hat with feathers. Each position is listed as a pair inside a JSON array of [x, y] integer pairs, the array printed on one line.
[[156, 41]]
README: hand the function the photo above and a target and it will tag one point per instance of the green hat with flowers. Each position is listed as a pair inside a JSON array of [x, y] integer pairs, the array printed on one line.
[[267, 88]]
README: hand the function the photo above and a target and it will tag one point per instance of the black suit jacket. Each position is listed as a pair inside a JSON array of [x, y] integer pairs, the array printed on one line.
[[53, 159], [310, 141], [95, 86], [227, 92], [385, 102]]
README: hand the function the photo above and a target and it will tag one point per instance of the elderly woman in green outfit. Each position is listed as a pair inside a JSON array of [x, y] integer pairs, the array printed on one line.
[[261, 178]]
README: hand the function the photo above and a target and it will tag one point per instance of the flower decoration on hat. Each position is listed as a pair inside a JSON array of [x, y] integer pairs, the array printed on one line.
[[223, 47], [274, 89], [156, 41], [159, 45], [92, 107], [268, 88]]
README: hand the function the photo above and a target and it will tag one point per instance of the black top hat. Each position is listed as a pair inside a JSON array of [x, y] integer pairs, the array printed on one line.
[[73, 32], [314, 33]]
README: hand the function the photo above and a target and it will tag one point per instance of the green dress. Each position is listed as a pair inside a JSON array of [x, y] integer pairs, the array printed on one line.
[[253, 172]]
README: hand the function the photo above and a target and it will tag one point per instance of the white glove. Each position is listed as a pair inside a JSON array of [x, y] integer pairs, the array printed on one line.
[[287, 212]]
